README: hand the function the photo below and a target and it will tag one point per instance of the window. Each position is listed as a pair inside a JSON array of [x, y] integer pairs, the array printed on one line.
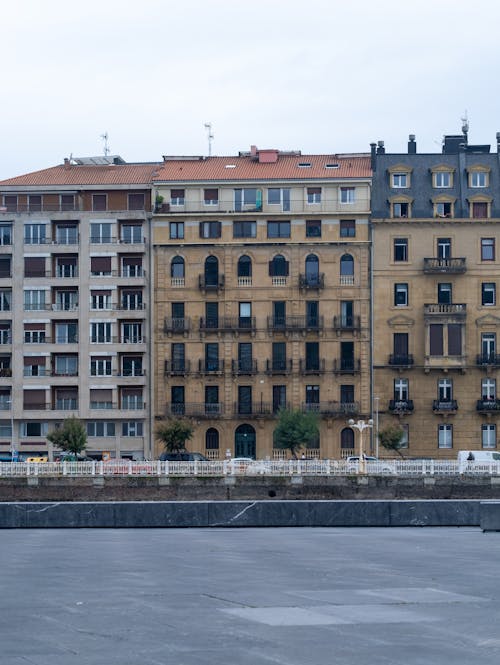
[[212, 400], [245, 315], [132, 266], [347, 266], [34, 333], [67, 202], [347, 194], [400, 249], [5, 234], [10, 202], [96, 428], [312, 276], [443, 208], [347, 228], [487, 249], [100, 366], [132, 428], [100, 333], [404, 443], [66, 266], [34, 400], [177, 230], [66, 234], [445, 390], [34, 366], [401, 391], [99, 202], [279, 356], [346, 393], [100, 233], [488, 389], [100, 300], [177, 197], [442, 179], [136, 201], [101, 398], [245, 400], [279, 398], [34, 266], [34, 203], [178, 405], [314, 195], [31, 429], [212, 357], [5, 300], [277, 196], [132, 333], [5, 266], [212, 315], [131, 233], [65, 300], [100, 266], [278, 229], [66, 333], [479, 209], [244, 266], [453, 332], [313, 228], [478, 179], [312, 357], [488, 345], [445, 436], [131, 398], [489, 436], [34, 234], [212, 439], [399, 180], [444, 248], [65, 365], [244, 229], [210, 229], [245, 360], [400, 209], [444, 293], [247, 198], [279, 266], [177, 267], [488, 294], [131, 299], [312, 314], [400, 345], [34, 300], [312, 397], [210, 197], [132, 365]]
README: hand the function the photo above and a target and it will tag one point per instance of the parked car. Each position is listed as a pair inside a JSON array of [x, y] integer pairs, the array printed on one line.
[[183, 457], [373, 465], [247, 465], [468, 460]]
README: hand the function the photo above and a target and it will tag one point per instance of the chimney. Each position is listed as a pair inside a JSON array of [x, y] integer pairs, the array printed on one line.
[[373, 156], [67, 164], [380, 148], [253, 151], [498, 142], [412, 146]]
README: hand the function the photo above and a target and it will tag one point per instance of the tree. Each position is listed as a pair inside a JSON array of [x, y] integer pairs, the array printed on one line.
[[71, 436], [173, 433], [391, 438], [295, 430]]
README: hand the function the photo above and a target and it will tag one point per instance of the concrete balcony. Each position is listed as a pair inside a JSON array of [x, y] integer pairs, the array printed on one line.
[[347, 323], [331, 409], [440, 266], [240, 324], [177, 325], [177, 367], [295, 323], [346, 366], [448, 312], [244, 367], [401, 360], [312, 281]]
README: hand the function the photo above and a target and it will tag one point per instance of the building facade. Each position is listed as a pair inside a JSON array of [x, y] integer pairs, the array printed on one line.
[[74, 330], [436, 272], [261, 296]]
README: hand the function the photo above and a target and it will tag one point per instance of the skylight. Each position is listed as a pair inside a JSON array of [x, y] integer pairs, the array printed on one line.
[[332, 166]]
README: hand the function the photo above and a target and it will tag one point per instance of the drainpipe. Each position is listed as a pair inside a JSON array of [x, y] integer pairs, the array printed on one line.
[[151, 343]]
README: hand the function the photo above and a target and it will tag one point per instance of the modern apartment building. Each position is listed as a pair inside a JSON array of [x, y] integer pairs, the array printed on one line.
[[74, 330], [261, 296], [436, 274]]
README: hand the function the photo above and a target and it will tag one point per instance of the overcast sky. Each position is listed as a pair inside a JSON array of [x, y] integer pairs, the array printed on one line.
[[321, 76]]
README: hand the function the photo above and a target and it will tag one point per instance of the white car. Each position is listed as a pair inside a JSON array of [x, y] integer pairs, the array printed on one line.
[[372, 465], [247, 465]]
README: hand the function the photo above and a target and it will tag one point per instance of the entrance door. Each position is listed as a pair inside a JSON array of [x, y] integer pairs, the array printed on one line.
[[244, 442]]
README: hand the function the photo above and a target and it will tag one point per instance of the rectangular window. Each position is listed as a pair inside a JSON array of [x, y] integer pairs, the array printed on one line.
[[347, 194], [99, 202], [487, 249], [443, 209], [401, 295], [401, 249], [34, 203], [278, 229], [445, 390], [401, 390], [31, 429], [10, 202], [445, 436], [100, 300], [400, 346], [436, 339], [100, 366], [34, 300], [479, 210], [65, 365], [34, 266], [313, 228], [247, 198], [479, 179], [34, 234], [347, 228], [312, 395], [212, 357], [34, 333], [5, 234], [346, 393], [244, 400], [442, 179], [245, 358], [279, 196], [444, 293], [400, 209], [177, 230], [210, 229], [66, 234], [100, 266], [489, 436], [67, 202], [5, 300], [100, 333], [210, 197], [244, 229], [454, 339], [131, 299], [177, 197], [132, 428], [100, 233], [279, 398], [97, 428], [136, 201], [312, 356], [5, 266], [399, 180], [131, 233], [131, 333], [314, 195], [488, 294], [444, 248], [66, 333]]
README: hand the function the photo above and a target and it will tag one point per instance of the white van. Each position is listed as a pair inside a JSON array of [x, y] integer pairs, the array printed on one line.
[[470, 459]]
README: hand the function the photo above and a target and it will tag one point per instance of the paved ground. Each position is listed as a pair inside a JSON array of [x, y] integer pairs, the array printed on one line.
[[250, 597]]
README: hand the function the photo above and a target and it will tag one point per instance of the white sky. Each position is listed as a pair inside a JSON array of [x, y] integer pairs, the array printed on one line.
[[312, 75]]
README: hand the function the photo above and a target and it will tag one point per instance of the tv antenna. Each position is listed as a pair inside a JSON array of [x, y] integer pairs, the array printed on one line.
[[106, 148], [210, 136], [465, 123]]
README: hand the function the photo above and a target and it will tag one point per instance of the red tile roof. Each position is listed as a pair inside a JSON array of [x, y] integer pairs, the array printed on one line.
[[286, 167], [78, 175]]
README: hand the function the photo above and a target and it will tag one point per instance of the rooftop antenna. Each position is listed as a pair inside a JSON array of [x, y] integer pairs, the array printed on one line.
[[465, 123], [208, 127], [106, 146]]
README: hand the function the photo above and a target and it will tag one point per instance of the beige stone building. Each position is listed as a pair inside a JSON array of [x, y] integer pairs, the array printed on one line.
[[435, 295], [261, 296]]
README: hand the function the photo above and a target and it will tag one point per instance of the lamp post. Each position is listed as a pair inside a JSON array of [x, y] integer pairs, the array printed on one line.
[[377, 401], [361, 425], [12, 446]]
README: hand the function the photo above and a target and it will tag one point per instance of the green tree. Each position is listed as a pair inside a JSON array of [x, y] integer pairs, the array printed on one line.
[[391, 438], [173, 433], [70, 437], [295, 430]]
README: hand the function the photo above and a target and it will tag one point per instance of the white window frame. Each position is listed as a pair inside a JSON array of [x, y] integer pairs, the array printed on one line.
[[399, 180], [132, 428], [401, 288], [34, 300], [95, 427], [442, 179], [445, 436], [101, 332], [347, 195], [488, 436], [478, 179], [101, 238], [34, 234], [101, 366]]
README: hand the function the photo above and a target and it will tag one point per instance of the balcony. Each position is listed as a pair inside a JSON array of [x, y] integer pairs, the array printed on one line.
[[445, 406], [312, 367], [243, 367], [228, 324], [488, 360], [401, 360], [488, 405], [195, 409], [435, 265], [214, 367], [275, 366], [211, 284], [253, 409], [177, 325], [5, 337], [312, 281], [331, 409], [401, 406], [347, 323], [294, 323], [177, 367], [446, 312], [346, 366], [5, 372]]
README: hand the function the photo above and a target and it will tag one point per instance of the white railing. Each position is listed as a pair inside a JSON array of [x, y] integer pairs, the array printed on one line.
[[274, 467]]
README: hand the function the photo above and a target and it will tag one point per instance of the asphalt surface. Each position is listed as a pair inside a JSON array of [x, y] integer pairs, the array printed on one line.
[[286, 596]]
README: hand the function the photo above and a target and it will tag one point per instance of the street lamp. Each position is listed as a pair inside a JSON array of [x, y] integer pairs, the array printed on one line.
[[361, 425], [12, 446], [377, 402]]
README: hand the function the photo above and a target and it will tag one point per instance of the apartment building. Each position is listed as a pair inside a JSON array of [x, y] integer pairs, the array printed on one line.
[[74, 330], [261, 296], [436, 311]]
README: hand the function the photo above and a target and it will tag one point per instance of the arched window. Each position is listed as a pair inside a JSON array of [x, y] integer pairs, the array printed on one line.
[[347, 439], [177, 267], [211, 271], [312, 269], [244, 266], [278, 267], [347, 265], [212, 439]]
